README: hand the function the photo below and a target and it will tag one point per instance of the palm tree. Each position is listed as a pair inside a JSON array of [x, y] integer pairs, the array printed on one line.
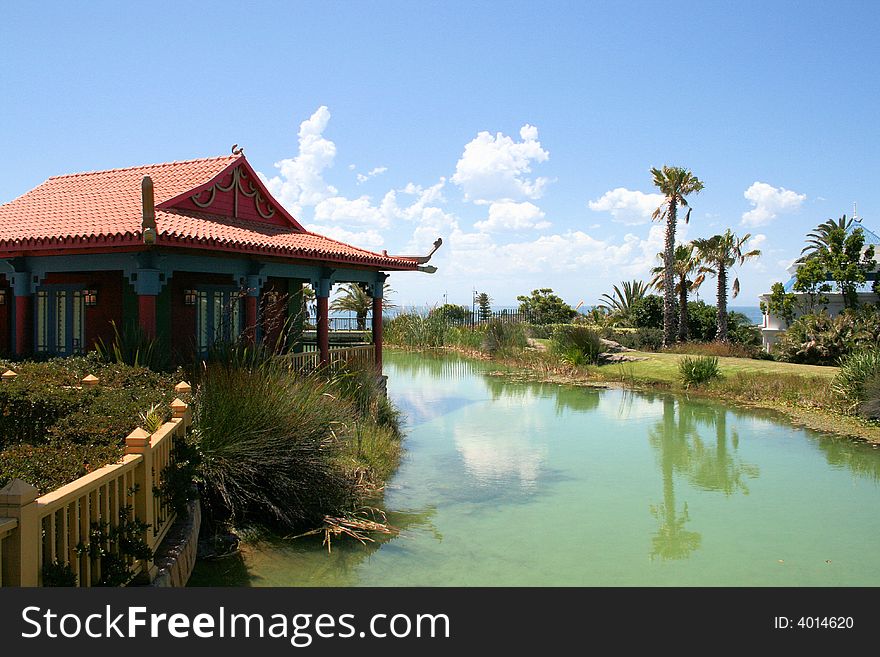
[[685, 265], [820, 238], [720, 253], [675, 183], [354, 298], [624, 297]]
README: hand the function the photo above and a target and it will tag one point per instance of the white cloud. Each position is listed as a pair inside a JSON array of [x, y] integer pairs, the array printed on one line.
[[627, 206], [432, 223], [756, 241], [494, 168], [372, 173], [425, 197], [768, 202], [350, 212], [367, 239], [565, 253], [300, 181], [508, 215]]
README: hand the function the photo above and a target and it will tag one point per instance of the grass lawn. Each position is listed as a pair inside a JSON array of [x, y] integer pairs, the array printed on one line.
[[802, 392], [664, 367]]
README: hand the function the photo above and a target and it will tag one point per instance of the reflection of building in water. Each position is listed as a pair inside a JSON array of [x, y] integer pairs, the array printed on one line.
[[704, 459]]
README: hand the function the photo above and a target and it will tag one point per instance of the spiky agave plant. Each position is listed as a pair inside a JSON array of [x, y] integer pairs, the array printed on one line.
[[622, 300]]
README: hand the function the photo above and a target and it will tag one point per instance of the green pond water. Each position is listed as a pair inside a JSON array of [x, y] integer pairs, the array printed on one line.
[[527, 484]]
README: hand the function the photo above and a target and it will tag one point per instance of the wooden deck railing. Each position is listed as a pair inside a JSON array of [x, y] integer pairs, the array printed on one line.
[[72, 525], [361, 356]]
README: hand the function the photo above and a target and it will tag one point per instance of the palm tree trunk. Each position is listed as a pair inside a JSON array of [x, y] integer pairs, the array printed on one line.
[[721, 319], [682, 311], [362, 320], [669, 276]]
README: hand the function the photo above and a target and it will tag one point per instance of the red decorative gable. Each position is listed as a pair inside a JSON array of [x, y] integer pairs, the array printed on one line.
[[236, 192]]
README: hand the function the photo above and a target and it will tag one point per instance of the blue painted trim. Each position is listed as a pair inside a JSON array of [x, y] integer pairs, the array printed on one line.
[[166, 263], [147, 282], [322, 287], [21, 284]]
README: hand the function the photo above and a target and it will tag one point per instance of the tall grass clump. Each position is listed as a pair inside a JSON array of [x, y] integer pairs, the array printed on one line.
[[696, 370], [268, 443], [504, 337], [858, 380], [576, 345], [415, 331], [465, 337]]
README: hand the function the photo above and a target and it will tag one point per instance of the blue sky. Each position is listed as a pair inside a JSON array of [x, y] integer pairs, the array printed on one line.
[[522, 133]]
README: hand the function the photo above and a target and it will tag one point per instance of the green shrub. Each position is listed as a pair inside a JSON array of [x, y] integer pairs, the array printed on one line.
[[696, 370], [647, 312], [643, 339], [56, 573], [52, 430], [577, 345], [452, 314], [819, 339], [46, 400], [53, 464], [856, 370], [702, 325], [504, 337]]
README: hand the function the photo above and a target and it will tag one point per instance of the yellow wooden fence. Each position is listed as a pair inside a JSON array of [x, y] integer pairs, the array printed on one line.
[[60, 526]]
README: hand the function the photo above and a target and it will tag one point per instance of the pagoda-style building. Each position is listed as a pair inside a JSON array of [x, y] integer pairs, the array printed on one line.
[[192, 252]]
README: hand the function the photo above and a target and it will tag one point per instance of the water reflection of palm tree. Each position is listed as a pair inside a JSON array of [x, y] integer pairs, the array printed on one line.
[[671, 540], [707, 466]]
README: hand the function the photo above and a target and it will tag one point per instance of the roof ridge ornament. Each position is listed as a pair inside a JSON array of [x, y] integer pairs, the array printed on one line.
[[421, 260], [237, 150]]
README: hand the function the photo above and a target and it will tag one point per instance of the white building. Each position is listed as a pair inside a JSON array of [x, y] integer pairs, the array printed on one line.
[[774, 325]]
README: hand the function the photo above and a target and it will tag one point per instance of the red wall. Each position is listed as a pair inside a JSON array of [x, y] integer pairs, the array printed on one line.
[[109, 306], [183, 317]]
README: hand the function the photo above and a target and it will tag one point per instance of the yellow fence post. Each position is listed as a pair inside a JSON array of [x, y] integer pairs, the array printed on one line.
[[138, 442], [21, 549], [179, 410]]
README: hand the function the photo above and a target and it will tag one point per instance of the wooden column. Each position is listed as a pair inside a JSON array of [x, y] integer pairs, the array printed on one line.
[[324, 330], [377, 332], [250, 318], [147, 314], [251, 308]]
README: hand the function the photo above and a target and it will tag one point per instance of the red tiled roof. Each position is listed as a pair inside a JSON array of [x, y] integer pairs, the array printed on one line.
[[102, 210]]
